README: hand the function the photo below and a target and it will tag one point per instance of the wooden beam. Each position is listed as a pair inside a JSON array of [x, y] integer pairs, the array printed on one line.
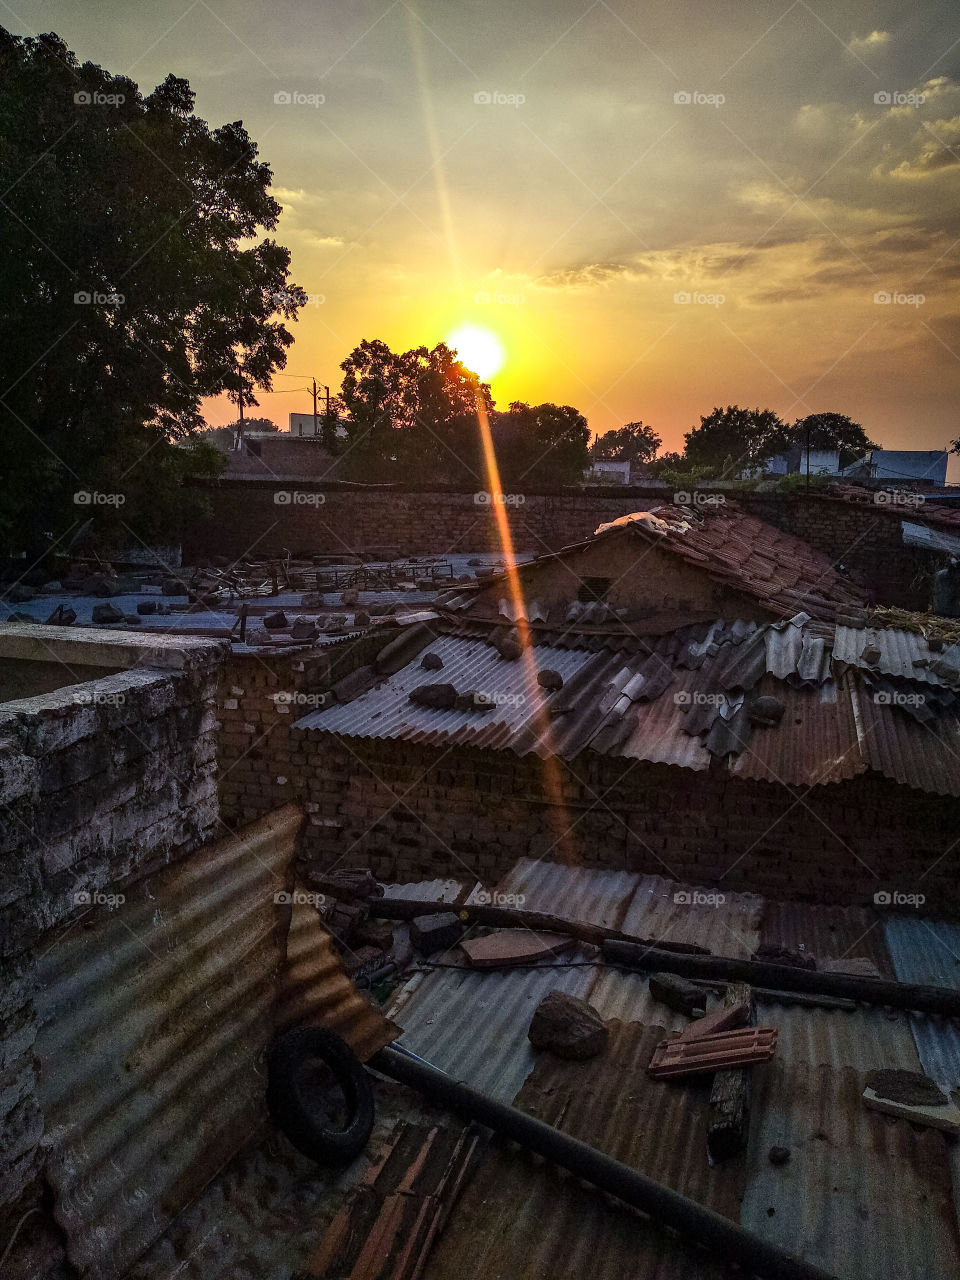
[[730, 1095]]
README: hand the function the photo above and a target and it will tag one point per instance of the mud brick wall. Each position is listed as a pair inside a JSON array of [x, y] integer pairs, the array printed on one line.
[[271, 518], [99, 783], [411, 812]]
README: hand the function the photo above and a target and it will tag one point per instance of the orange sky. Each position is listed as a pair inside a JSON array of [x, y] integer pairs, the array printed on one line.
[[565, 174]]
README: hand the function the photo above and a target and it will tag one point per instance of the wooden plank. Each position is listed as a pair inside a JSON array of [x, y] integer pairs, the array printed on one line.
[[514, 946], [730, 1095]]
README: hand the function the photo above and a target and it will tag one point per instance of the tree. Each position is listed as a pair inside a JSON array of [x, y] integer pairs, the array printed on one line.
[[735, 439], [411, 414], [831, 431], [633, 442], [137, 280]]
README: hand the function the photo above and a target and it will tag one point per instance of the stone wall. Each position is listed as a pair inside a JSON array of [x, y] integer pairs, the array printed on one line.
[[100, 782], [269, 518]]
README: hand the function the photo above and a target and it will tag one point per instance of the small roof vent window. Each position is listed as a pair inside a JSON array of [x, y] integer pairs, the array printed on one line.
[[592, 589]]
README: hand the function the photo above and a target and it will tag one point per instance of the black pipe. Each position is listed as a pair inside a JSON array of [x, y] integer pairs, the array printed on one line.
[[782, 977], [665, 1206]]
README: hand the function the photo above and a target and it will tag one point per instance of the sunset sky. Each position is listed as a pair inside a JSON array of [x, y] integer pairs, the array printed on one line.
[[568, 211]]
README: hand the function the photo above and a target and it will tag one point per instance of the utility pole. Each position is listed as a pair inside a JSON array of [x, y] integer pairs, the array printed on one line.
[[315, 426], [238, 439]]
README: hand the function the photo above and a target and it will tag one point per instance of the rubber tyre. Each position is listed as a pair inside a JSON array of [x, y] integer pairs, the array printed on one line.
[[292, 1114]]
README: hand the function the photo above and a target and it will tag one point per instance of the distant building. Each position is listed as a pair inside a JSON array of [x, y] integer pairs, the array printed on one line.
[[304, 424], [608, 471], [890, 466]]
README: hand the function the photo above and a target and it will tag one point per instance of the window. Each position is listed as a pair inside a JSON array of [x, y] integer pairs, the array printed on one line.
[[592, 589]]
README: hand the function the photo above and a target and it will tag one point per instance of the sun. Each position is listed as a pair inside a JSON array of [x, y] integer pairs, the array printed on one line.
[[480, 349]]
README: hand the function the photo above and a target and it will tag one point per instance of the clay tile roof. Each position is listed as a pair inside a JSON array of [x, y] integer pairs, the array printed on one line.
[[747, 553]]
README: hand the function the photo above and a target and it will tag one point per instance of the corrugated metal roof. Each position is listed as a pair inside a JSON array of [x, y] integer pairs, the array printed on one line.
[[154, 1018], [862, 1196], [315, 990], [685, 698], [921, 535], [522, 1220], [905, 654]]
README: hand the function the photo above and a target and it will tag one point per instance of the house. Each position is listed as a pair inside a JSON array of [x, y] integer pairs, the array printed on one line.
[[608, 471], [709, 559]]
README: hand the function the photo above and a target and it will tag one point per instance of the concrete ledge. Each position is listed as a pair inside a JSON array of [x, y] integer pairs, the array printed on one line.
[[86, 646]]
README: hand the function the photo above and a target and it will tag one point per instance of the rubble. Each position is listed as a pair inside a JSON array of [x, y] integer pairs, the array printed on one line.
[[435, 932], [568, 1027], [677, 993]]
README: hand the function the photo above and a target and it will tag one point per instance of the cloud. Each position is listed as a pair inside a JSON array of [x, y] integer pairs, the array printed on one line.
[[869, 44], [587, 276]]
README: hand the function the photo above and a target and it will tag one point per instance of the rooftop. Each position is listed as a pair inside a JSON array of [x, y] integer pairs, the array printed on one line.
[[849, 700]]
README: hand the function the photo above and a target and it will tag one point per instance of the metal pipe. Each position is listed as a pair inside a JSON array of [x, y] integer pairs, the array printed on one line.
[[665, 1206], [782, 977]]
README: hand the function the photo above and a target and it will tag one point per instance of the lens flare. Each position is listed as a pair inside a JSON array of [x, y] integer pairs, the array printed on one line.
[[480, 349]]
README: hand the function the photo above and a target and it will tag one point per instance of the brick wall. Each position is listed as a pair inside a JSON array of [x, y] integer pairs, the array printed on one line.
[[100, 782], [246, 516], [412, 812]]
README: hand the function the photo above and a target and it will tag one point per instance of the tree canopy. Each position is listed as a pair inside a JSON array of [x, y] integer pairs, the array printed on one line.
[[831, 431], [137, 280], [734, 439], [633, 442], [417, 416]]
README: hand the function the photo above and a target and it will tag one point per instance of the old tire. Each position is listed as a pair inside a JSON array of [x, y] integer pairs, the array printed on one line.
[[289, 1102]]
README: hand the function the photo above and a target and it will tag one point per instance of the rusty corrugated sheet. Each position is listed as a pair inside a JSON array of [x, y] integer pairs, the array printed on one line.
[[926, 757], [520, 1219], [317, 992], [863, 1196], [671, 912], [155, 1016], [827, 932], [905, 654]]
